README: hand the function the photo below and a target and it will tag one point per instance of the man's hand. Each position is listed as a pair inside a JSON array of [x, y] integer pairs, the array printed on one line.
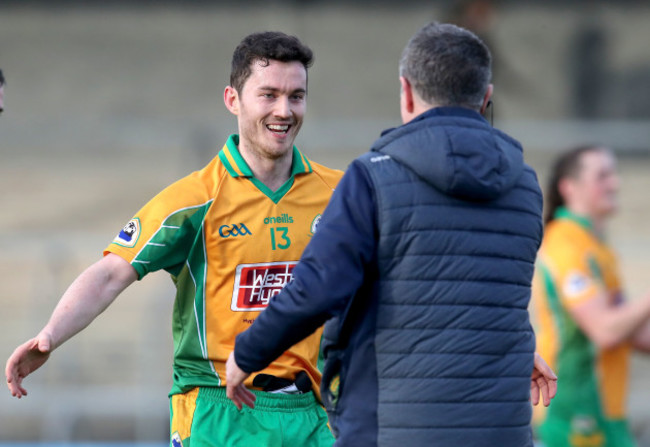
[[543, 381], [235, 389], [26, 359], [88, 296]]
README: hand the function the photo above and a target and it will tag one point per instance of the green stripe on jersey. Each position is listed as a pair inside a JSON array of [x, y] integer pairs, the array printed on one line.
[[179, 247], [577, 390], [179, 229]]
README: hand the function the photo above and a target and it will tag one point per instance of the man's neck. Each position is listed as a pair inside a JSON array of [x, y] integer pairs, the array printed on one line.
[[597, 222], [272, 172]]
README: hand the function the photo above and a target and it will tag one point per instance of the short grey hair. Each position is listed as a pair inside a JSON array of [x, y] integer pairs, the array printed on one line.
[[447, 65]]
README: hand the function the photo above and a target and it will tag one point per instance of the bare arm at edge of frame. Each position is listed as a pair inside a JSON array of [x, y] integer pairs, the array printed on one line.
[[87, 297]]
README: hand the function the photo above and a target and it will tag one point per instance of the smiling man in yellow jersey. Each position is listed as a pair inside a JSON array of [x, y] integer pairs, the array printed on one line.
[[229, 235], [585, 329]]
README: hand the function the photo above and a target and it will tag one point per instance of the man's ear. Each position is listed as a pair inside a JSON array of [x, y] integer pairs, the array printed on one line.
[[565, 187], [487, 98], [231, 99], [407, 101]]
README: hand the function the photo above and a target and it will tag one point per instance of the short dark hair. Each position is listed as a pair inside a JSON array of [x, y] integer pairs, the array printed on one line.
[[566, 165], [2, 78], [447, 65], [264, 47]]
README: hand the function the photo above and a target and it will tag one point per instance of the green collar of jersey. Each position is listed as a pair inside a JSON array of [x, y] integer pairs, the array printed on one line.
[[237, 167], [564, 213], [584, 222]]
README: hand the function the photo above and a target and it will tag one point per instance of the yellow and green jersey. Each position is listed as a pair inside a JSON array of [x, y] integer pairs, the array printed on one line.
[[230, 245], [574, 266]]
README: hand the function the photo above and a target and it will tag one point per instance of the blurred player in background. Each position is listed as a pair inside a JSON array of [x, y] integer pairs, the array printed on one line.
[[2, 92], [229, 235], [585, 327], [424, 257]]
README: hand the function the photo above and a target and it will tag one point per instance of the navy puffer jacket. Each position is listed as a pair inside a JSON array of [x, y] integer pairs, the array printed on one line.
[[424, 257], [459, 228]]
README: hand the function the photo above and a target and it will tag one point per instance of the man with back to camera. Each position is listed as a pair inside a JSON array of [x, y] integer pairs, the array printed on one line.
[[424, 257], [229, 235]]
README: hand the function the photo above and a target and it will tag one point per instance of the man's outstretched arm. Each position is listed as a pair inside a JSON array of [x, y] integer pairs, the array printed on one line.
[[88, 296]]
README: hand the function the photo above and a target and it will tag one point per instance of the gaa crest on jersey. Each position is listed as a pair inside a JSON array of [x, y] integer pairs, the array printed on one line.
[[256, 284], [575, 284], [314, 224], [129, 234], [234, 230], [176, 440]]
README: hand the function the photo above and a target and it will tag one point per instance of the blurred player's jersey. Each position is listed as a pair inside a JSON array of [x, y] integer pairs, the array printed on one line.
[[230, 245], [574, 265]]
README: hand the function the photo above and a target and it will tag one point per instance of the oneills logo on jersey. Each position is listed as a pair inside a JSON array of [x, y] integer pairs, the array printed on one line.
[[129, 234], [284, 218], [256, 284], [314, 224]]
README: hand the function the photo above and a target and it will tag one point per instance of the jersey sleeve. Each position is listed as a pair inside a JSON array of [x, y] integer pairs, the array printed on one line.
[[161, 233], [576, 273], [330, 177]]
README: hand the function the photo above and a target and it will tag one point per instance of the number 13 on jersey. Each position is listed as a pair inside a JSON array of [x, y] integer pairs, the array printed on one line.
[[279, 238]]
